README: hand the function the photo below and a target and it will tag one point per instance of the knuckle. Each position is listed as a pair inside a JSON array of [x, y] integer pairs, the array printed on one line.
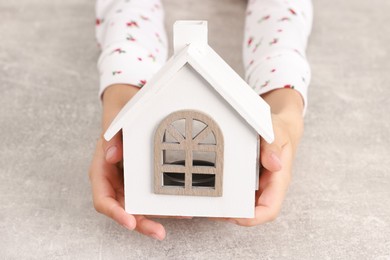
[[274, 215], [273, 218], [98, 206]]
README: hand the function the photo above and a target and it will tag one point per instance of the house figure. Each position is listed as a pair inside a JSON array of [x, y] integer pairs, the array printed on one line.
[[191, 135]]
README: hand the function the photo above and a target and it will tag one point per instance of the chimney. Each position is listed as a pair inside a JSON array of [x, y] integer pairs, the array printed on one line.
[[187, 32]]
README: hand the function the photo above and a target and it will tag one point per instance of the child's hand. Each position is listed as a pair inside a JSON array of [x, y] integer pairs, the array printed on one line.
[[277, 158], [106, 175]]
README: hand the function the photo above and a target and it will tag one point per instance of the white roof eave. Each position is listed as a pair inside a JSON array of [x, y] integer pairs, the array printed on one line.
[[254, 110]]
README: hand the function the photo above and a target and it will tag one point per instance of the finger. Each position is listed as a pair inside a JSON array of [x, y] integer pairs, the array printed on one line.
[[104, 200], [232, 220], [269, 202], [111, 208], [270, 154], [172, 217], [268, 206], [273, 189], [105, 203], [111, 107], [150, 228], [113, 149], [104, 190]]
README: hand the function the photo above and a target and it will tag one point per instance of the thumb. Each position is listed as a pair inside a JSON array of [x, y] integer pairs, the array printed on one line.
[[114, 98], [113, 149], [270, 155]]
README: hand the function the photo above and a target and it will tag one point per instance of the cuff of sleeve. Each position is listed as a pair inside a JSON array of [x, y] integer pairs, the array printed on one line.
[[126, 64], [280, 70]]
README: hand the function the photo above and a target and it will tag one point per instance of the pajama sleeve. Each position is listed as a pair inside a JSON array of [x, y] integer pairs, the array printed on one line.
[[133, 41], [275, 41]]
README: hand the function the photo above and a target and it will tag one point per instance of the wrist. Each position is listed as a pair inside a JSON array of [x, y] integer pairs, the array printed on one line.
[[285, 101], [119, 94], [114, 99], [287, 105]]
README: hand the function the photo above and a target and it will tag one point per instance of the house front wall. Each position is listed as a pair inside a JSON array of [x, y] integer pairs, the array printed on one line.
[[187, 90]]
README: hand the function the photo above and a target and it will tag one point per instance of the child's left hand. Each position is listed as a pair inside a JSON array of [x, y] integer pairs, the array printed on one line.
[[277, 158]]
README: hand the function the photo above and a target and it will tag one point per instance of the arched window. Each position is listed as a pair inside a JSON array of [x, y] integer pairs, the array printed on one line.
[[188, 153]]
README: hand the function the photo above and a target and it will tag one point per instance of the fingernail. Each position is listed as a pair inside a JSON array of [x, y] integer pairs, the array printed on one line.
[[276, 159], [110, 152], [155, 236]]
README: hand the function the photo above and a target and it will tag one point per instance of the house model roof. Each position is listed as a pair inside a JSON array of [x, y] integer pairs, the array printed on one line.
[[191, 48]]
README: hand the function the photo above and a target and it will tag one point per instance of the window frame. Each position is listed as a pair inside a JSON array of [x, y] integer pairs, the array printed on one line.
[[189, 145]]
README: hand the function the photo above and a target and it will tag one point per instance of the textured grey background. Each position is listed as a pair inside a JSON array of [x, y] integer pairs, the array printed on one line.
[[338, 205]]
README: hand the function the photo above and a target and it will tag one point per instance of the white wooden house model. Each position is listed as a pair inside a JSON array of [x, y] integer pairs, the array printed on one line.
[[191, 135]]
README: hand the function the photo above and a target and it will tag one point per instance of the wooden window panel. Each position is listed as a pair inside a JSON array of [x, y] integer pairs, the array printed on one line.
[[189, 141]]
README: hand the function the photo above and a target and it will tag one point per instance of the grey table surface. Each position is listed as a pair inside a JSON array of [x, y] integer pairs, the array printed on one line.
[[338, 205]]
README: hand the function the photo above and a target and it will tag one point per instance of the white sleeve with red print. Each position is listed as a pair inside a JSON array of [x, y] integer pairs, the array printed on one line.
[[275, 41], [134, 44], [133, 40]]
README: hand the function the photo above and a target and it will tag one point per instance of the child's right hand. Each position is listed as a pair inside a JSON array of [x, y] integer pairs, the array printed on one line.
[[105, 174]]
